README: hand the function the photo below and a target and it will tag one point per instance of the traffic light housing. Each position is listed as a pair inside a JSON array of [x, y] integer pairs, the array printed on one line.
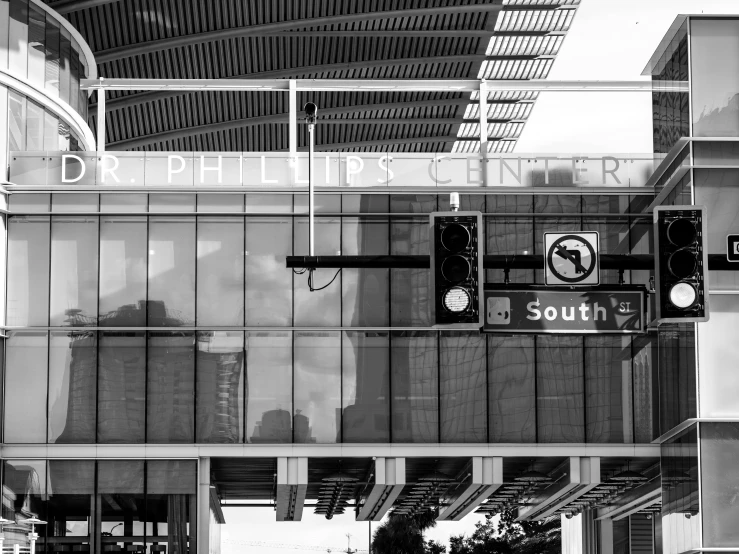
[[456, 269], [680, 264]]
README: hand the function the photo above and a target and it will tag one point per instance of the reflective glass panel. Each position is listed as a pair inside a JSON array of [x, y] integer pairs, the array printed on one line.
[[72, 387], [560, 389], [122, 503], [74, 202], [123, 260], [170, 503], [680, 497], [220, 386], [365, 292], [34, 127], [170, 390], [28, 271], [171, 202], [269, 294], [128, 202], [414, 366], [463, 387], [720, 483], [608, 398], [220, 271], [26, 359], [317, 387], [269, 387], [220, 202], [646, 402], [121, 387], [320, 307], [70, 503], [509, 234], [365, 387], [171, 272], [74, 271], [512, 389], [29, 203], [24, 494]]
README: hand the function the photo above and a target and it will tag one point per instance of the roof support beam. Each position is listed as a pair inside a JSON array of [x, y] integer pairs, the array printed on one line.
[[487, 477], [389, 482], [255, 30], [638, 499], [589, 479], [292, 485], [555, 493], [69, 6]]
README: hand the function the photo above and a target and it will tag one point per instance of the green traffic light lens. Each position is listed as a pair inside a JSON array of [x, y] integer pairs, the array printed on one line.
[[681, 232], [455, 237], [455, 269], [683, 295], [683, 263], [456, 300]]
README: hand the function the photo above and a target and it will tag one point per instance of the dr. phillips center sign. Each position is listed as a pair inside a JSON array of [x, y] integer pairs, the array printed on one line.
[[331, 169], [539, 309]]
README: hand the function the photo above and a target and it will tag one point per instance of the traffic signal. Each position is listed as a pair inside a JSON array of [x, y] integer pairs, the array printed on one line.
[[456, 269], [681, 264]]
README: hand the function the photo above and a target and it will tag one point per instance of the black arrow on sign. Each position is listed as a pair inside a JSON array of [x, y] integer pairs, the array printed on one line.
[[564, 253]]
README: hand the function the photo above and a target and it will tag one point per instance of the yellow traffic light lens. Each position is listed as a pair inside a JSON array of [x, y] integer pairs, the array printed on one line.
[[683, 263], [683, 295], [456, 300], [455, 269]]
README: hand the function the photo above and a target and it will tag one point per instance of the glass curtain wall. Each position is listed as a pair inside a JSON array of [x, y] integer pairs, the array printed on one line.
[[355, 362], [101, 506]]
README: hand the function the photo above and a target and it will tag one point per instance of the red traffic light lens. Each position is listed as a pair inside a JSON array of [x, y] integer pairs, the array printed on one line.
[[681, 232], [455, 268], [683, 263], [455, 237]]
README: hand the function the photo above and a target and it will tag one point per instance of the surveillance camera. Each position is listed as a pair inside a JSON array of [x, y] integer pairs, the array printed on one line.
[[329, 516], [311, 111]]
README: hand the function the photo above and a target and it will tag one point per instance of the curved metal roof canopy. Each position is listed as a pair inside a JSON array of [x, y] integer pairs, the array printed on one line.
[[320, 39]]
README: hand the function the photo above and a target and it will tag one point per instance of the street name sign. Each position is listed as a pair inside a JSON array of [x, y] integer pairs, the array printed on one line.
[[732, 248], [571, 259], [538, 309]]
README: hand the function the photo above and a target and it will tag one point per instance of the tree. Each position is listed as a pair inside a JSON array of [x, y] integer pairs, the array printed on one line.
[[526, 537], [402, 534]]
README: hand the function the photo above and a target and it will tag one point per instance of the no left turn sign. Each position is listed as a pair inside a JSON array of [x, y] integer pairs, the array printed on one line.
[[571, 258]]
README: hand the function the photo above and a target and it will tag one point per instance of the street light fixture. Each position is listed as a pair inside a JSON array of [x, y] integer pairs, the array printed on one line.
[[32, 536], [3, 522]]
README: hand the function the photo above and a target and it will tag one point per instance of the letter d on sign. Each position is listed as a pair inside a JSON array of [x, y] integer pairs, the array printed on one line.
[[65, 157]]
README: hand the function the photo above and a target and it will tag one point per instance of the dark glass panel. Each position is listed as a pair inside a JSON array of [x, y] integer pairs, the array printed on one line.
[[170, 503], [53, 35], [269, 387], [28, 271], [220, 387], [318, 308], [170, 388], [365, 387], [72, 387], [719, 481], [269, 292], [220, 271], [24, 494], [74, 271], [365, 203], [123, 259], [608, 396], [512, 389], [646, 387], [121, 501], [613, 233], [317, 387], [560, 389], [414, 366], [36, 48], [409, 292], [171, 271], [26, 360], [463, 385], [677, 374], [69, 507], [509, 235], [681, 518], [65, 44], [365, 292], [121, 387]]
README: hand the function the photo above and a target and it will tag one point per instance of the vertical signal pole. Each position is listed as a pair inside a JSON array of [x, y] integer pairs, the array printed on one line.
[[310, 118], [484, 131], [101, 118]]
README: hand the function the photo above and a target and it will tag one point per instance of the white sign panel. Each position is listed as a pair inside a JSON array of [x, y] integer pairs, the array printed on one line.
[[571, 258]]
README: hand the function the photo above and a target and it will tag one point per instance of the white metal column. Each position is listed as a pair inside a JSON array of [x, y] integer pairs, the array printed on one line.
[[101, 119], [484, 132], [203, 506]]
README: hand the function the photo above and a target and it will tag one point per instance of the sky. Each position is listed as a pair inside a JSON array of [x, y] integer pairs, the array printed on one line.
[[608, 40]]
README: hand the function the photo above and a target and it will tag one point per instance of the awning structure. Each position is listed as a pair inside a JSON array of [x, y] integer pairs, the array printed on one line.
[[273, 39]]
